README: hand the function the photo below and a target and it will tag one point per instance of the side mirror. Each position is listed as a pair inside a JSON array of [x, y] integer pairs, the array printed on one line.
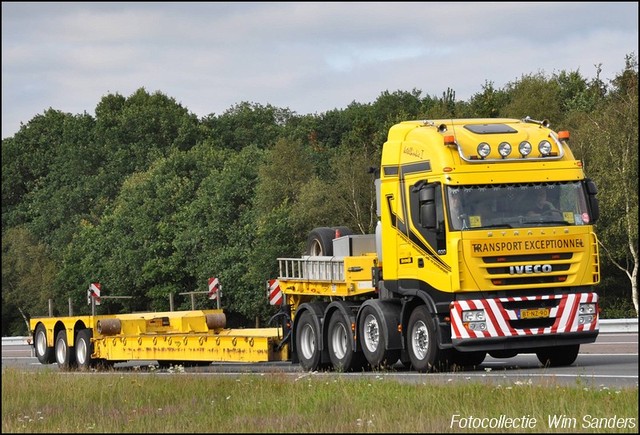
[[427, 204], [428, 215]]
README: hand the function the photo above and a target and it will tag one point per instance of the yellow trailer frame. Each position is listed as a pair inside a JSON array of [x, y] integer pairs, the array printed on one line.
[[189, 336]]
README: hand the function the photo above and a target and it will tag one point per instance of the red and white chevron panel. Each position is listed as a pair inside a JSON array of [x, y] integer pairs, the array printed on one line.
[[214, 287], [274, 293], [94, 292], [565, 315]]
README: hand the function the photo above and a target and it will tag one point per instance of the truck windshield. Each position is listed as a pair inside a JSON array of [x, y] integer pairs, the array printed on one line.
[[517, 205]]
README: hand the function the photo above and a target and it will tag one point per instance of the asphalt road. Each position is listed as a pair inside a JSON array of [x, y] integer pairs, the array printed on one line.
[[611, 362]]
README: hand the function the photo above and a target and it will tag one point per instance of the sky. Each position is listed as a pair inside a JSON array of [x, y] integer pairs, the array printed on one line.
[[308, 57]]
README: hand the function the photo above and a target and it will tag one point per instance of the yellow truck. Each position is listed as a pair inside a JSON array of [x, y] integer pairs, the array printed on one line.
[[484, 245]]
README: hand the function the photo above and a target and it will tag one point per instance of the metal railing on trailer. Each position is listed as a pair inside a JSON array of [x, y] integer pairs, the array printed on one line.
[[329, 269]]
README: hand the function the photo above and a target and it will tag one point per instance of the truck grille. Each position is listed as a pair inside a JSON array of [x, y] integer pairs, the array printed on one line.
[[515, 270]]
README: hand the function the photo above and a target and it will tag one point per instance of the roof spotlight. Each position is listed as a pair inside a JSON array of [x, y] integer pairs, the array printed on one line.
[[524, 148], [504, 149], [484, 149]]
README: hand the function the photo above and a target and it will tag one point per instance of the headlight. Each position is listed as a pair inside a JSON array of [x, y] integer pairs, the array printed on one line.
[[473, 316], [474, 320], [587, 313], [587, 308]]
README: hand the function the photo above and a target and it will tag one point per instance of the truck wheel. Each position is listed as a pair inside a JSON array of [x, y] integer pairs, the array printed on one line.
[[43, 352], [320, 241], [84, 349], [373, 340], [422, 343], [307, 342], [64, 357], [558, 356], [340, 345]]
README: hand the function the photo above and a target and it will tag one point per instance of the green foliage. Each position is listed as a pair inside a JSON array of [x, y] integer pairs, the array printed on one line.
[[609, 138], [535, 96], [27, 279], [488, 103], [247, 124], [223, 210], [616, 308]]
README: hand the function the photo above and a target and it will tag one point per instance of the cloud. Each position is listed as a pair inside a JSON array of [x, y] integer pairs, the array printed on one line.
[[308, 57]]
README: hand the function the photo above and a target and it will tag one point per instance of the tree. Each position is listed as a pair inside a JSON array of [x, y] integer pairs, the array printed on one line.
[[27, 279], [217, 230], [444, 107], [488, 103], [533, 95], [611, 135], [246, 124]]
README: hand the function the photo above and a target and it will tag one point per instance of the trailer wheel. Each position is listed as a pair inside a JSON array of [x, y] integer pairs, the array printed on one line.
[[307, 342], [558, 356], [422, 343], [340, 345], [84, 349], [373, 340], [43, 352], [64, 357], [320, 241]]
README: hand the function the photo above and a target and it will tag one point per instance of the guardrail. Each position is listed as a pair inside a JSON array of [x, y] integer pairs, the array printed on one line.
[[606, 326], [618, 325], [16, 341]]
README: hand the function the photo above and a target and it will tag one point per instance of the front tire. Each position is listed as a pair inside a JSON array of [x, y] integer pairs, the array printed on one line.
[[307, 342], [422, 342], [558, 356], [44, 353], [340, 345], [64, 356]]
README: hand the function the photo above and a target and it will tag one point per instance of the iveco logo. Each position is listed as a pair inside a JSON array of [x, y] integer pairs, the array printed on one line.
[[538, 268]]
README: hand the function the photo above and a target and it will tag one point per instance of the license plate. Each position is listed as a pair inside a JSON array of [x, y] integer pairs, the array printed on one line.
[[535, 313]]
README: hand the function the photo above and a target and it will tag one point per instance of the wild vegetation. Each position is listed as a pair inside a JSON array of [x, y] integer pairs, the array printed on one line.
[[149, 200], [50, 401]]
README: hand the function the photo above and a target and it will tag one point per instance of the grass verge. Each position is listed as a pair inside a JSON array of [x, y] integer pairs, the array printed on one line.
[[49, 401]]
